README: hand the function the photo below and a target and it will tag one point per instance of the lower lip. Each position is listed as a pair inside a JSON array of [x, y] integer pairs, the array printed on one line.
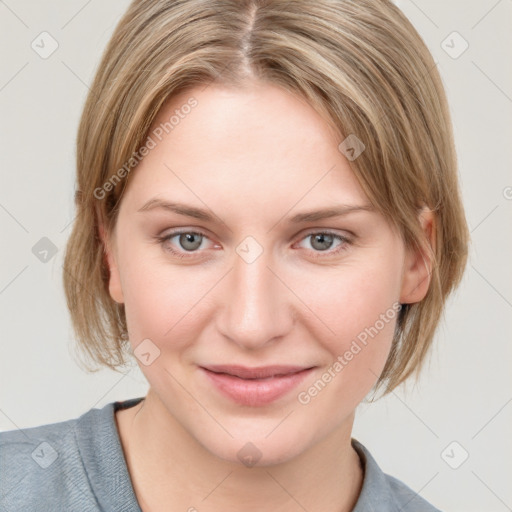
[[255, 392]]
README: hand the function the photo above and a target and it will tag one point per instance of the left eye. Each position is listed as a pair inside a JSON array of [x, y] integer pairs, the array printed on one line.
[[323, 241]]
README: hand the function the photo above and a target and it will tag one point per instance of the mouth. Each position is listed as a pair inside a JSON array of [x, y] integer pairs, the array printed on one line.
[[255, 386]]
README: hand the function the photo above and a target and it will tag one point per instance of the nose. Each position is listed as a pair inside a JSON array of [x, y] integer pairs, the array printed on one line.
[[257, 308]]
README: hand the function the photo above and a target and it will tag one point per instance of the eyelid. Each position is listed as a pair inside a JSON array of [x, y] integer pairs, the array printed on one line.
[[343, 233]]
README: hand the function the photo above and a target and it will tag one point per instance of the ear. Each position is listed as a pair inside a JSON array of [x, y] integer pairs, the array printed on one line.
[[418, 262], [110, 258]]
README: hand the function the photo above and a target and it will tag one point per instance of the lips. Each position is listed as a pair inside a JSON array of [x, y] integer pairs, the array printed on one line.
[[255, 386], [262, 372]]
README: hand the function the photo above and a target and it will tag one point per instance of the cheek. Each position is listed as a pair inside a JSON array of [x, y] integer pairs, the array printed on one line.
[[161, 300], [359, 303], [362, 309]]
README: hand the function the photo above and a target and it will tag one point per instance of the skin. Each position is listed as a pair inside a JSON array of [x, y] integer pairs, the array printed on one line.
[[253, 157]]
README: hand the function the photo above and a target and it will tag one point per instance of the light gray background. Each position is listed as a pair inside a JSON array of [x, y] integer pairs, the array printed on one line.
[[465, 393]]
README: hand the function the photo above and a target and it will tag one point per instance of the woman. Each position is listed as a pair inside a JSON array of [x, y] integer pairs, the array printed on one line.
[[269, 219]]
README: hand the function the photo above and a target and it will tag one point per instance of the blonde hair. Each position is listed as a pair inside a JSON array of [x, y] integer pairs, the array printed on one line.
[[359, 63]]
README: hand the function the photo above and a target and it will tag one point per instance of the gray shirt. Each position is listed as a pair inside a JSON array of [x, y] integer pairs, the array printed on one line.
[[79, 465]]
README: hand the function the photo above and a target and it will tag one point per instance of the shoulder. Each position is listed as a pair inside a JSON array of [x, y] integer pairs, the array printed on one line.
[[384, 492], [42, 468], [406, 498]]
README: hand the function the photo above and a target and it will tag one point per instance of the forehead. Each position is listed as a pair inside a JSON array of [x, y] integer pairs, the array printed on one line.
[[262, 143]]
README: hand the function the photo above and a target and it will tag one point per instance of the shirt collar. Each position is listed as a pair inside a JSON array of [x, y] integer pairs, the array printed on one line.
[[375, 495], [102, 455]]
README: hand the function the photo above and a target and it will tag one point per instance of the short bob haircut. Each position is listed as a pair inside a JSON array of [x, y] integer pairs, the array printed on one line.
[[359, 63]]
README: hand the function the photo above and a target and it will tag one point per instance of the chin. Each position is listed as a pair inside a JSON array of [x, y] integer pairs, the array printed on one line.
[[250, 449]]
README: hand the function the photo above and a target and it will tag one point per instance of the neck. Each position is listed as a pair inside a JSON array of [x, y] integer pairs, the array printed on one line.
[[168, 466]]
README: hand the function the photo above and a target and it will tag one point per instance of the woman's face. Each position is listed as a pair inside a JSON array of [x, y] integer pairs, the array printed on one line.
[[250, 284]]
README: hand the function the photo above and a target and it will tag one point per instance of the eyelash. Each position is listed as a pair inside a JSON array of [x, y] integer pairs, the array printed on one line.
[[319, 254]]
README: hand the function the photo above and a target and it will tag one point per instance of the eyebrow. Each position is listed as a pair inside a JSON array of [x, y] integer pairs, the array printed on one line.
[[198, 213]]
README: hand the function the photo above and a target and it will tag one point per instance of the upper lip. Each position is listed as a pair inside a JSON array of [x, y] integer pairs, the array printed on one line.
[[260, 372]]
